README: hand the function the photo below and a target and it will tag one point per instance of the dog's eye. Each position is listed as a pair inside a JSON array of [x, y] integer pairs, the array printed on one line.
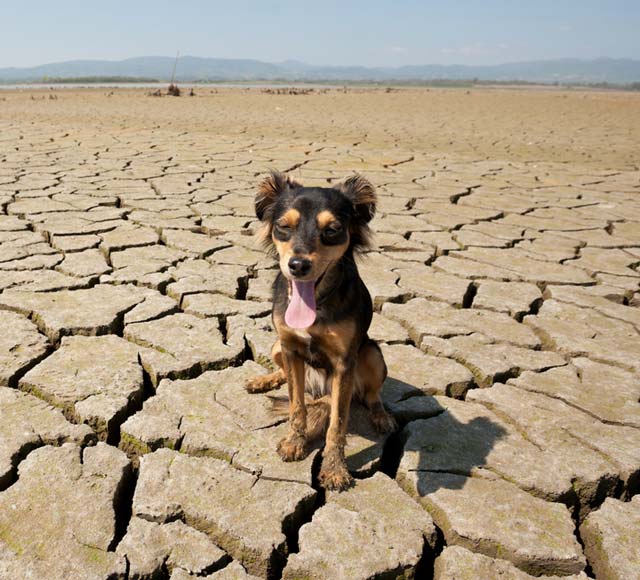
[[283, 228], [333, 230]]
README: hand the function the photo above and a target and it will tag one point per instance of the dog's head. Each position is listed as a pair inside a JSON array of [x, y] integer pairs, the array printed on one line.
[[311, 228]]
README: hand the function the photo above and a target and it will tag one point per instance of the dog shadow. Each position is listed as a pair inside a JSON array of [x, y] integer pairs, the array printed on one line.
[[437, 448]]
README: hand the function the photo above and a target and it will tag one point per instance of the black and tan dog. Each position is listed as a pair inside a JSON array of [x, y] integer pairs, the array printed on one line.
[[322, 311]]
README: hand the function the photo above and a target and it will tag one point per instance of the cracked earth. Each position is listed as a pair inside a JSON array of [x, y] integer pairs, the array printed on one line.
[[134, 303]]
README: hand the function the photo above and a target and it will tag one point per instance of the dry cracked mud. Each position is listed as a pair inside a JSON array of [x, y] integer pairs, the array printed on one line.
[[135, 300]]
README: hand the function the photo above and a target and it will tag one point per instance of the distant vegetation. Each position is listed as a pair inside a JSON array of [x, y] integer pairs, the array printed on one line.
[[441, 83], [95, 80]]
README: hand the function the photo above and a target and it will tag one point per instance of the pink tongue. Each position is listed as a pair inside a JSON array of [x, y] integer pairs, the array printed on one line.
[[301, 312]]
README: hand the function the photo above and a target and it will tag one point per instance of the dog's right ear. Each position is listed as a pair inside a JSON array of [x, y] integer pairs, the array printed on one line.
[[274, 185]]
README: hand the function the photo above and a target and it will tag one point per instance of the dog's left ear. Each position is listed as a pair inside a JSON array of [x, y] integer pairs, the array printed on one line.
[[271, 187], [362, 194]]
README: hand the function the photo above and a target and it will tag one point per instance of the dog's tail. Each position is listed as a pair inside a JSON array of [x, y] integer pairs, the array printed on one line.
[[318, 412]]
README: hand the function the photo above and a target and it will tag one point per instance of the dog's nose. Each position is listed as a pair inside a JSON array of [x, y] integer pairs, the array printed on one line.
[[299, 266]]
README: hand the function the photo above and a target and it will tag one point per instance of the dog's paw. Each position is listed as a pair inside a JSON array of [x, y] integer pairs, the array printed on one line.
[[335, 478], [382, 421], [261, 384], [293, 448], [334, 475]]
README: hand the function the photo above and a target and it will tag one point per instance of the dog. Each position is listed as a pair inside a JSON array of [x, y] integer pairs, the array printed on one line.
[[322, 311]]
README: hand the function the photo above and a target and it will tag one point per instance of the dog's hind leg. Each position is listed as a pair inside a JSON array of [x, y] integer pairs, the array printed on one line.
[[370, 374], [265, 383]]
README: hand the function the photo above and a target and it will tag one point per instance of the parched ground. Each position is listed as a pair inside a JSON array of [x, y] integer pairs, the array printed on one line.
[[134, 304]]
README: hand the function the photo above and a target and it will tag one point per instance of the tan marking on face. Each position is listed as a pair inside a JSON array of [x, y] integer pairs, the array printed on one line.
[[290, 218], [324, 218], [284, 248]]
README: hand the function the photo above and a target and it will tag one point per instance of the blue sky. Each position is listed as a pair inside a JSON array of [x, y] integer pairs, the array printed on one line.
[[370, 32]]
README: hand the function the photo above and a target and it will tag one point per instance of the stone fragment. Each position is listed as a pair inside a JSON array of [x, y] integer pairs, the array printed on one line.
[[608, 393], [511, 264], [611, 537], [588, 298], [426, 373], [145, 259], [233, 571], [471, 440], [199, 244], [150, 547], [179, 345], [124, 237], [75, 243], [153, 306], [32, 262], [514, 298], [246, 516], [381, 283], [57, 521], [428, 283], [457, 563], [535, 535], [259, 335], [95, 380], [90, 312], [386, 330], [42, 281], [406, 402], [194, 276], [577, 331], [207, 305], [21, 346], [427, 318], [260, 287], [237, 255], [607, 261], [82, 264], [490, 362], [372, 530], [27, 423], [599, 457]]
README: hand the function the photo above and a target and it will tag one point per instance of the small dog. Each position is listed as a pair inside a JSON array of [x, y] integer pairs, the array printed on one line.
[[322, 311]]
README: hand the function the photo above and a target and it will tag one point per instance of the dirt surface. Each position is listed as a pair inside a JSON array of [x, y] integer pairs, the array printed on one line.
[[134, 303]]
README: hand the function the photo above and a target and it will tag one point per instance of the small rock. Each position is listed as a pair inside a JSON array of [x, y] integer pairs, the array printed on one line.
[[89, 312], [21, 346], [246, 516], [149, 547], [95, 380], [430, 374], [57, 521], [456, 563], [371, 530], [181, 344], [535, 535], [611, 537]]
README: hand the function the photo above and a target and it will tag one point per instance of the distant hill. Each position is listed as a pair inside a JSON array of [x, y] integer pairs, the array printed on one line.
[[191, 68]]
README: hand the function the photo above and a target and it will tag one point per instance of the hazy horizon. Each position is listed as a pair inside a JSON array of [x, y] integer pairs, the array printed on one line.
[[371, 34]]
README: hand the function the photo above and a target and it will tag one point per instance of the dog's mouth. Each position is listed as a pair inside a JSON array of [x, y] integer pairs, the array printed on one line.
[[301, 311]]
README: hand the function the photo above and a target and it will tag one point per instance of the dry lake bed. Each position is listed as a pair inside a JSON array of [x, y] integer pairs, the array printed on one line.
[[134, 303]]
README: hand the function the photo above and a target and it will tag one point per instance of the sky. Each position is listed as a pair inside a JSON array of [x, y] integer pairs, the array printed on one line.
[[321, 32]]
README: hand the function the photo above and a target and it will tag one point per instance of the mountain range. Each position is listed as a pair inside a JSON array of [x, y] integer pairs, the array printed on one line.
[[191, 68]]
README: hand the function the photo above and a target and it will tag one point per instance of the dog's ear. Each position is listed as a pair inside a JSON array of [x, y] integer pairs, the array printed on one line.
[[272, 186], [362, 195]]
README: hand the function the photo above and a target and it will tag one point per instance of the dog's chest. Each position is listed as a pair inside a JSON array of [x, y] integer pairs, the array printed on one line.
[[312, 350], [303, 336]]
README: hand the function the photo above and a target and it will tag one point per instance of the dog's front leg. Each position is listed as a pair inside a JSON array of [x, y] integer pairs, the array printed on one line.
[[294, 446], [334, 474]]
